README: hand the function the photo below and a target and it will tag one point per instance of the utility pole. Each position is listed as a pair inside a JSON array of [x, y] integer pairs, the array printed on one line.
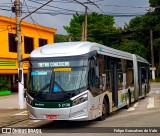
[[21, 100], [85, 25], [70, 39], [82, 39], [152, 55], [85, 21], [85, 29]]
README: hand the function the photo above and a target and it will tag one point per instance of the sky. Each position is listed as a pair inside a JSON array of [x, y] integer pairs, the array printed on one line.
[[58, 13]]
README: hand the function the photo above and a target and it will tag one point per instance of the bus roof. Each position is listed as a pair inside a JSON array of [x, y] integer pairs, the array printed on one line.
[[77, 48], [140, 59]]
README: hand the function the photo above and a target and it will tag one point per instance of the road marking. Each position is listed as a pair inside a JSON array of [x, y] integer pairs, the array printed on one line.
[[157, 91], [134, 106], [131, 109], [22, 113], [150, 103], [35, 121]]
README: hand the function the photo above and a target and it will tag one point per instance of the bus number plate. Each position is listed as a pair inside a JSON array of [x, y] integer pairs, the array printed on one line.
[[51, 117]]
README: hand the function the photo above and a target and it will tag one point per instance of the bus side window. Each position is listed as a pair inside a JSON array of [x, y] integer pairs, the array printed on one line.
[[108, 72], [129, 74], [120, 74], [144, 73]]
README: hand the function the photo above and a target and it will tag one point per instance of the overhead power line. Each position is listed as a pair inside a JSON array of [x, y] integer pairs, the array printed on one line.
[[54, 6], [73, 12], [32, 18], [54, 13], [5, 9], [91, 2]]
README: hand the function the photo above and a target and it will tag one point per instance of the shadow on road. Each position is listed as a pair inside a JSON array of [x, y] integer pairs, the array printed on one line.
[[69, 127], [69, 124]]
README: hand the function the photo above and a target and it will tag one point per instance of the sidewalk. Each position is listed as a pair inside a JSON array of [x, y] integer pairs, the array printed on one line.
[[10, 114], [155, 87]]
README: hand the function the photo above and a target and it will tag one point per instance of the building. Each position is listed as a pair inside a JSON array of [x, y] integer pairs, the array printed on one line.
[[33, 36]]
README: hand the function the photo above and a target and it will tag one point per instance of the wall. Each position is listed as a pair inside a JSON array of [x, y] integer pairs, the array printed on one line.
[[8, 60]]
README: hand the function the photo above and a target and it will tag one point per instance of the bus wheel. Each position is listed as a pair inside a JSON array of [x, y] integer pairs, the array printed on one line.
[[145, 93], [128, 101], [105, 110]]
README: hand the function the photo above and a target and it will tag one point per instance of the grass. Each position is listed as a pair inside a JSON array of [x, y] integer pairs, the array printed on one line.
[[6, 92], [157, 79]]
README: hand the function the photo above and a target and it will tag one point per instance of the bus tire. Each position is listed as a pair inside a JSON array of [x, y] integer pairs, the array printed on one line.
[[105, 110], [128, 101]]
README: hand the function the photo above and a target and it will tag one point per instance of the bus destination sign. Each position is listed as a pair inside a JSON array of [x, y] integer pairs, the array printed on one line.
[[54, 64]]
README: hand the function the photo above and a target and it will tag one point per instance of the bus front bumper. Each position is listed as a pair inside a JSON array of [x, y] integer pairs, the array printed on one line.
[[78, 112]]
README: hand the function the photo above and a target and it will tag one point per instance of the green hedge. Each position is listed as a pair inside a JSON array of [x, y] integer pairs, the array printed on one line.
[[157, 79], [7, 92]]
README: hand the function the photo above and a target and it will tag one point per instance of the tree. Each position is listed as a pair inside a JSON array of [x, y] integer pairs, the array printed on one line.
[[60, 38], [140, 31], [134, 47], [141, 26], [100, 28], [156, 4]]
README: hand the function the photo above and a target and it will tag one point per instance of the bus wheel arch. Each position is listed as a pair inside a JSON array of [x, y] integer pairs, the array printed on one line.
[[107, 100], [105, 108]]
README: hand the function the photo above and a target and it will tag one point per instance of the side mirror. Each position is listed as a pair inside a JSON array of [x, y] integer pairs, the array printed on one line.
[[20, 72]]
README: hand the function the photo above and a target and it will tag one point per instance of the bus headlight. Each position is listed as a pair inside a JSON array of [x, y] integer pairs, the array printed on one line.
[[80, 99]]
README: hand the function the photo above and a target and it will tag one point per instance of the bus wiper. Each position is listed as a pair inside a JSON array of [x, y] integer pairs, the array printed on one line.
[[62, 90], [42, 89]]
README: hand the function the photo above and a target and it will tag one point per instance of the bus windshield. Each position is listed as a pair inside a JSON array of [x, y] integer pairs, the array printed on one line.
[[52, 77], [72, 80]]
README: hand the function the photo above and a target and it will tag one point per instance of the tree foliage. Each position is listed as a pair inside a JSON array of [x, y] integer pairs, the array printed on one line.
[[134, 47], [100, 28], [60, 38], [156, 4], [139, 28], [136, 34]]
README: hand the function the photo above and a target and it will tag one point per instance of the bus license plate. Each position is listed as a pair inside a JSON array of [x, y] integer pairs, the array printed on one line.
[[51, 117]]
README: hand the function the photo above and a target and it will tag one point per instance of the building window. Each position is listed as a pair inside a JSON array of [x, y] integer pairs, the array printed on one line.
[[12, 42], [42, 42], [28, 44]]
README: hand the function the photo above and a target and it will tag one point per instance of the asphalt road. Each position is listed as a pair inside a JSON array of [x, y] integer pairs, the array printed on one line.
[[142, 115]]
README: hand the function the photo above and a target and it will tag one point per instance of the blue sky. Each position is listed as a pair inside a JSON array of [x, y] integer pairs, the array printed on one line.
[[58, 21]]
